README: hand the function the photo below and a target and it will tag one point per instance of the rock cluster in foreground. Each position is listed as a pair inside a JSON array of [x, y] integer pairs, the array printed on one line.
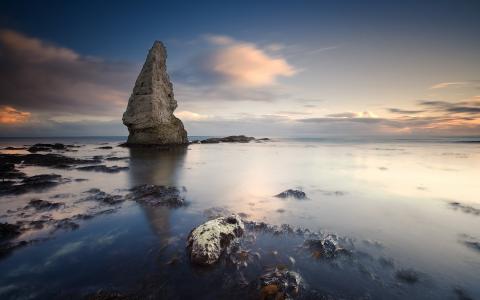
[[149, 115]]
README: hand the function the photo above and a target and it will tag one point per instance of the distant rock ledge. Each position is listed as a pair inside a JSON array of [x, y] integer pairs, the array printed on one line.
[[216, 140], [232, 139]]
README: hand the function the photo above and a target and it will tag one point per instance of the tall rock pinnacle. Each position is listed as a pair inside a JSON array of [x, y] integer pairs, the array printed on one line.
[[149, 115]]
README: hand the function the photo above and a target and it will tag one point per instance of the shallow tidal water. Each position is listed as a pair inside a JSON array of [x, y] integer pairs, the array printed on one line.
[[391, 200]]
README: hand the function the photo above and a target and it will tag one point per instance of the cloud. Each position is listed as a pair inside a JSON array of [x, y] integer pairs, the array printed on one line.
[[364, 114], [52, 128], [405, 111], [245, 65], [438, 117], [221, 40], [443, 85], [335, 120], [469, 106], [190, 116], [208, 93], [34, 50], [457, 84], [9, 115], [291, 112], [236, 63], [322, 49], [464, 109], [43, 78]]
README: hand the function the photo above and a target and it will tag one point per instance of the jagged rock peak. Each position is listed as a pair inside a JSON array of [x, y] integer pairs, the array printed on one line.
[[149, 115]]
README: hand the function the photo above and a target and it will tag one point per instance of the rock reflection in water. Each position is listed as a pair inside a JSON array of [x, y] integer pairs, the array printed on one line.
[[156, 166], [159, 167]]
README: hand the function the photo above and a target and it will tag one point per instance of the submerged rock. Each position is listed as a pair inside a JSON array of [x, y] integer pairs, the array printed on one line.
[[8, 171], [290, 193], [149, 115], [108, 295], [47, 147], [115, 158], [45, 160], [103, 197], [8, 231], [280, 284], [408, 276], [35, 149], [461, 294], [33, 183], [207, 242], [39, 204], [14, 148], [103, 168], [465, 208], [157, 195], [475, 245]]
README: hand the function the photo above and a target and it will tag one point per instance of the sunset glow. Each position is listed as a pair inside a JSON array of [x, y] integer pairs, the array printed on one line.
[[9, 115]]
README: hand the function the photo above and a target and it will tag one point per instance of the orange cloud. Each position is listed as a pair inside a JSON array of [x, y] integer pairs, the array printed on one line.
[[9, 115], [190, 116], [244, 64]]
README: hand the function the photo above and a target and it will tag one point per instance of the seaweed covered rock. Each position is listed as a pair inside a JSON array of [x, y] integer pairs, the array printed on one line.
[[45, 160], [39, 204], [207, 242], [325, 248], [103, 168], [33, 183], [280, 283], [157, 195]]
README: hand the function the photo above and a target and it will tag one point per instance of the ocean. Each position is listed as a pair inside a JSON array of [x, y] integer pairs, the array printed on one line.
[[406, 210]]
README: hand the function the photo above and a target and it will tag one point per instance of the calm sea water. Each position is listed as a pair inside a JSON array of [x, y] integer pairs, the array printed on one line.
[[391, 198]]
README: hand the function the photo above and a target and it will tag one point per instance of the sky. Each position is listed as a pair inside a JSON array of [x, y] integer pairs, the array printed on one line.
[[262, 68]]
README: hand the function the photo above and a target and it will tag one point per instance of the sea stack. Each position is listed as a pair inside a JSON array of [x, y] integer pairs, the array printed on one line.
[[149, 115]]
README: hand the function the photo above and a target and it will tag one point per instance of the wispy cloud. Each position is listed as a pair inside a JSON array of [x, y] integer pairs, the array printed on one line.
[[405, 111], [186, 115], [208, 93], [350, 115], [321, 49], [470, 106], [443, 85]]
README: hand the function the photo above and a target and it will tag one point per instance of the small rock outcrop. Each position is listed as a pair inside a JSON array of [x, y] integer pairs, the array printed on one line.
[[327, 248], [290, 193], [208, 241], [280, 283], [149, 115]]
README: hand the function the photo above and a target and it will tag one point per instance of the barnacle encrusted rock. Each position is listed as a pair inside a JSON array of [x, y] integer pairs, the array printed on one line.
[[208, 241], [149, 115]]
